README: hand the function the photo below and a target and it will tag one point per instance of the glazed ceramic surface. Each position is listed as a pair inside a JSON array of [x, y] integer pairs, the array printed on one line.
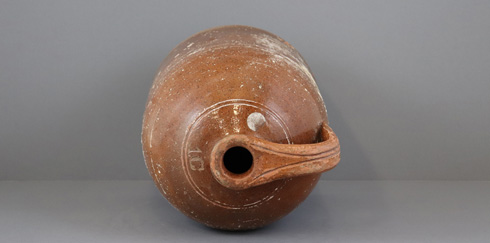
[[235, 132]]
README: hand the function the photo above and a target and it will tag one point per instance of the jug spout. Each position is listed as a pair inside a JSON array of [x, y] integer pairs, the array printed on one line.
[[240, 161]]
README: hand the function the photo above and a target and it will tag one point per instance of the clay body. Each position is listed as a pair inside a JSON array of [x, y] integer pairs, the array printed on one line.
[[235, 132]]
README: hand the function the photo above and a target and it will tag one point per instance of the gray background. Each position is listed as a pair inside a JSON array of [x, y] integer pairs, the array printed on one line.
[[406, 83]]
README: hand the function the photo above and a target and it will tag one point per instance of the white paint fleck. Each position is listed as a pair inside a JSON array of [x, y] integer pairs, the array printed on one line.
[[255, 121], [236, 109]]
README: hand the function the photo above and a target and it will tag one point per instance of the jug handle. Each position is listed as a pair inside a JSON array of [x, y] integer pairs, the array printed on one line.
[[274, 161]]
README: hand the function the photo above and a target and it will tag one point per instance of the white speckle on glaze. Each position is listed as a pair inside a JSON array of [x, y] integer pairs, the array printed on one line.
[[236, 109], [151, 137]]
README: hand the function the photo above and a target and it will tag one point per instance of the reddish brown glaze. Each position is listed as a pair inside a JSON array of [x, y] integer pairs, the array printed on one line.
[[228, 87]]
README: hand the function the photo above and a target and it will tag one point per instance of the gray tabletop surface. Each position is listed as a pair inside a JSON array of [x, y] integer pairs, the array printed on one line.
[[336, 211]]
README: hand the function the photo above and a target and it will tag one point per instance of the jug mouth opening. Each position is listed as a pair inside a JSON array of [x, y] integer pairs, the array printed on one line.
[[238, 160]]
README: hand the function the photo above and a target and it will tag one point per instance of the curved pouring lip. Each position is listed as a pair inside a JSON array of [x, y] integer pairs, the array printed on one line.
[[274, 161]]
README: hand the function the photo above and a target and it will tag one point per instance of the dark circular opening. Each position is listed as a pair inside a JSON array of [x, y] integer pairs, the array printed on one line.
[[238, 160]]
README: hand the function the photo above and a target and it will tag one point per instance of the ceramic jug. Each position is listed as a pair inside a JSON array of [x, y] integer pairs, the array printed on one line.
[[235, 132]]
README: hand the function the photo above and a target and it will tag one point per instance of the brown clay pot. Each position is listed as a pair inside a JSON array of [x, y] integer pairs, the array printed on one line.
[[235, 132]]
